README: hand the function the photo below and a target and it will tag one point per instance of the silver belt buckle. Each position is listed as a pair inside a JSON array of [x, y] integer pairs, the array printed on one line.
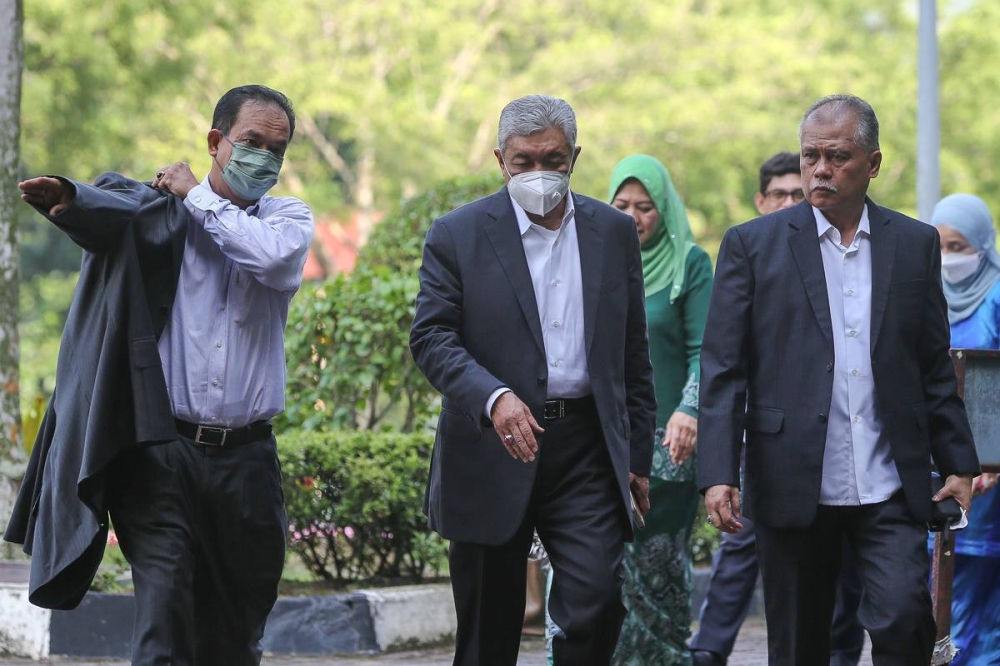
[[558, 409], [222, 432]]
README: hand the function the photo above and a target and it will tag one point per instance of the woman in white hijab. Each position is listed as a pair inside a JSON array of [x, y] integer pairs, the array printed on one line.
[[970, 268]]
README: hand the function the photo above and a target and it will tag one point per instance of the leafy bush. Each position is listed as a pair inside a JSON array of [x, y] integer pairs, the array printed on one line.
[[349, 363], [398, 240], [354, 503], [704, 539], [347, 340]]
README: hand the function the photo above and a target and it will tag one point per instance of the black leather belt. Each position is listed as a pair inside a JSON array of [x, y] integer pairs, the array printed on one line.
[[215, 436], [562, 407]]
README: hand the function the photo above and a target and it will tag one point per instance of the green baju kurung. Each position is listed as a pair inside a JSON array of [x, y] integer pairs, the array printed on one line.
[[658, 563]]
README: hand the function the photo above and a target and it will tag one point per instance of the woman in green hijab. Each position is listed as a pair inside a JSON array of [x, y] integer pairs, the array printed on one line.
[[678, 279]]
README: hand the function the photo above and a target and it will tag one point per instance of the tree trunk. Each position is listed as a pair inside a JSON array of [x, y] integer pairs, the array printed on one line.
[[11, 60]]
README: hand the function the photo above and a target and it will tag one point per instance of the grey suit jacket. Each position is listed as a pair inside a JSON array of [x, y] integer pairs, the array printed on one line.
[[110, 391], [476, 329], [767, 364]]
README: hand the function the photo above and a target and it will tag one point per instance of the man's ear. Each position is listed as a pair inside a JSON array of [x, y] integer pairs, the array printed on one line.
[[874, 163], [576, 156], [758, 201], [214, 138]]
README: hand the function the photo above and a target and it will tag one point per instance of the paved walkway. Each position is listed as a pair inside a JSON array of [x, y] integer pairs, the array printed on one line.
[[750, 650]]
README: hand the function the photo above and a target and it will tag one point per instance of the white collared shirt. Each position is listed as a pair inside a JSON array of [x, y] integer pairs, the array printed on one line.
[[554, 264], [857, 462]]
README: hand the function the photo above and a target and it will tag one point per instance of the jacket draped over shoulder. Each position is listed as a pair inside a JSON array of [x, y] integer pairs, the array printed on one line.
[[110, 391]]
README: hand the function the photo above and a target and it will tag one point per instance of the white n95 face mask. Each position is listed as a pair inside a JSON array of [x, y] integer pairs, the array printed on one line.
[[538, 192], [956, 267]]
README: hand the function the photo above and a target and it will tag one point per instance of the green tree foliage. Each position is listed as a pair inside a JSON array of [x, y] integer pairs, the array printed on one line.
[[396, 96]]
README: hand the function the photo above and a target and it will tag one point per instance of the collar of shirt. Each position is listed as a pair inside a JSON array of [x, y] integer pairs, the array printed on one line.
[[524, 223], [251, 210], [824, 228]]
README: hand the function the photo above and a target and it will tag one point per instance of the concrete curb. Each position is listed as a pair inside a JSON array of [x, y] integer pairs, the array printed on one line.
[[362, 622]]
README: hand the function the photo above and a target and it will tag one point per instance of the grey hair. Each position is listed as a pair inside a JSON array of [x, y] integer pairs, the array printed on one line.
[[536, 113], [866, 135]]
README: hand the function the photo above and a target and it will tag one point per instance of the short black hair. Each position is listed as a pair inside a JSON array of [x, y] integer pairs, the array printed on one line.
[[778, 165], [229, 106]]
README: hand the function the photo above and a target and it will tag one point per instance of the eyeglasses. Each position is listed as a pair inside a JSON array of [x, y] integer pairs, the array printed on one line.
[[776, 196]]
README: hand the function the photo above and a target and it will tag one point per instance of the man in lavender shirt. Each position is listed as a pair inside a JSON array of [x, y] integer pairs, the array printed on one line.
[[200, 514]]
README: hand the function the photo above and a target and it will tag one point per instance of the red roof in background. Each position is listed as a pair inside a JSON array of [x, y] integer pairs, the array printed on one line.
[[335, 247]]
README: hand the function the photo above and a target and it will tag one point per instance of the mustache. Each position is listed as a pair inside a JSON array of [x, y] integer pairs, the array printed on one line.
[[823, 185]]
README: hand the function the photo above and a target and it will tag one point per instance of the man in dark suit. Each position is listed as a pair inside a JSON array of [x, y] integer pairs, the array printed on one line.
[[171, 368], [531, 323], [734, 565], [827, 342]]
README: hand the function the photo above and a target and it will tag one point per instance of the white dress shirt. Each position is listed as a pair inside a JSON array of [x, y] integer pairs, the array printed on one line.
[[554, 263], [223, 347], [857, 463]]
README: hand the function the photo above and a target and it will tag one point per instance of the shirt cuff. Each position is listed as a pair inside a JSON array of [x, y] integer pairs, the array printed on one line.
[[204, 199], [492, 399]]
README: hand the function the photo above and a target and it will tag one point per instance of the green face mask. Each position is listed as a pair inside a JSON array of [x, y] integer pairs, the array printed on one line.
[[251, 171]]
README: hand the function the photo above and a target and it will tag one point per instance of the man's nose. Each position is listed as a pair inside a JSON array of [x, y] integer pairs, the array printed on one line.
[[822, 167]]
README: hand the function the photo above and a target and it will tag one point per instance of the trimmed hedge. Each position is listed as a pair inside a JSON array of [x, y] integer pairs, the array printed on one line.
[[354, 501]]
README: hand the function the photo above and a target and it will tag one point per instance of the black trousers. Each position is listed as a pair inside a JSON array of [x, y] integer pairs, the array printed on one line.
[[576, 507], [204, 530], [730, 591], [800, 569]]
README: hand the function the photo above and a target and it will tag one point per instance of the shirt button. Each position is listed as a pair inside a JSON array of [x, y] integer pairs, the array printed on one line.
[[555, 364], [218, 345], [854, 372], [215, 382], [856, 419], [853, 334], [556, 324], [555, 283], [197, 199], [850, 292]]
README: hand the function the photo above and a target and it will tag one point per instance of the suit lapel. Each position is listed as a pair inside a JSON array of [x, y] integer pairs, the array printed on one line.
[[804, 244], [590, 238], [505, 236], [883, 242]]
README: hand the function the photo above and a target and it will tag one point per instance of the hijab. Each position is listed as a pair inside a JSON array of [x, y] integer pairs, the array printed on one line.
[[969, 216], [665, 253]]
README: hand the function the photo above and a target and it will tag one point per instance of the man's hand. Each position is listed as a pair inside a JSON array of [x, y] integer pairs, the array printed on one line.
[[723, 506], [49, 194], [958, 486], [516, 426], [177, 179], [639, 485], [682, 434], [983, 482]]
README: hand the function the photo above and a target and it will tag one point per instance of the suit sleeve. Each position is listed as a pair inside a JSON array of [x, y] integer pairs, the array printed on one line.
[[724, 366], [436, 334], [952, 447], [640, 397], [699, 293], [98, 213]]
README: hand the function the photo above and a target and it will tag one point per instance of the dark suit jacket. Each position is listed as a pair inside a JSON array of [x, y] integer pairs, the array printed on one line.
[[476, 329], [767, 364], [110, 391]]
